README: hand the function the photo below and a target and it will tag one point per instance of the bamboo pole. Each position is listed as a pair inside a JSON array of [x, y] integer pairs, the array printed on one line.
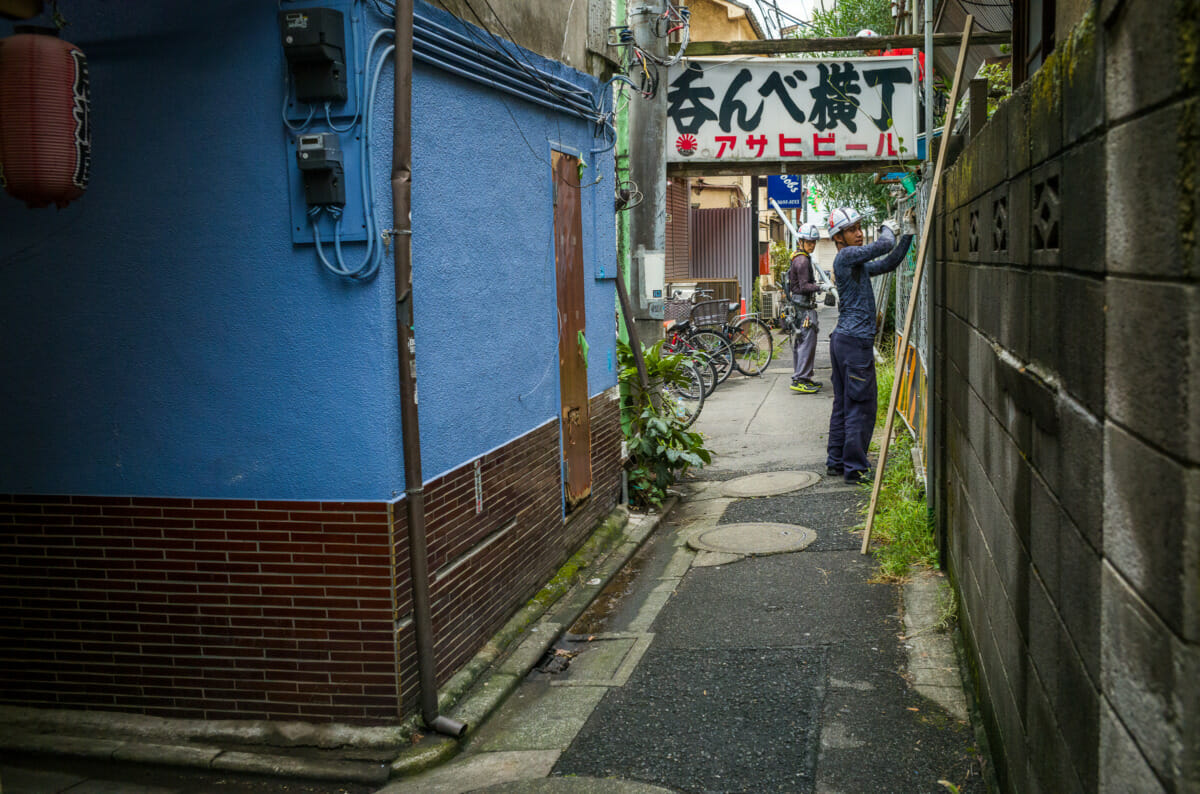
[[926, 229]]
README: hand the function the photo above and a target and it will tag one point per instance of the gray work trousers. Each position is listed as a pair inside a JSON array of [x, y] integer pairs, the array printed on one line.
[[804, 344]]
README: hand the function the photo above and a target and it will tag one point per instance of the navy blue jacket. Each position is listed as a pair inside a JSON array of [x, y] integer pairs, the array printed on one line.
[[852, 271]]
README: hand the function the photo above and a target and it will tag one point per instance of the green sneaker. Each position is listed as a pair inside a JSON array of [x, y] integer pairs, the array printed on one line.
[[805, 387]]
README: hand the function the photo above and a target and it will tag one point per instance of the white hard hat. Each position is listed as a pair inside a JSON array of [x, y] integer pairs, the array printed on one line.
[[810, 231], [842, 218], [865, 32]]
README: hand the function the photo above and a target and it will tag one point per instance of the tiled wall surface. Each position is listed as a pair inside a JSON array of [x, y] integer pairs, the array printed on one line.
[[228, 609], [1067, 325]]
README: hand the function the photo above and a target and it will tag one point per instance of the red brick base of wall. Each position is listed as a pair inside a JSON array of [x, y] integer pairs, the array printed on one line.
[[243, 609]]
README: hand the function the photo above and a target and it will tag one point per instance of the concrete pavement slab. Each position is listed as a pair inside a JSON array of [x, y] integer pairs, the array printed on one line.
[[117, 787], [608, 660], [478, 772], [15, 780], [180, 755], [599, 659], [52, 744], [530, 650], [294, 766], [541, 718], [575, 785], [486, 697]]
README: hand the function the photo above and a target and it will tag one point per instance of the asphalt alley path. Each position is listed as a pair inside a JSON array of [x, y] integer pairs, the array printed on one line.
[[706, 671]]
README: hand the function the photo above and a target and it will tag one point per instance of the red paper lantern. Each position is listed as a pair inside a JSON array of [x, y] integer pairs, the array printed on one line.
[[45, 135]]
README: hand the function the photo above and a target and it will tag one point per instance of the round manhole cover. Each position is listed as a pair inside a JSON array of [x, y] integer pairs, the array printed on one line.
[[771, 483], [754, 539]]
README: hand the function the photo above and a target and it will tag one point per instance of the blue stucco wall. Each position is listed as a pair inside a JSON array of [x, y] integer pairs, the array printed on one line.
[[163, 336]]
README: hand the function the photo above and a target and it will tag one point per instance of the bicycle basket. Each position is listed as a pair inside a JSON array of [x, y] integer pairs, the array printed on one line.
[[676, 310], [710, 312]]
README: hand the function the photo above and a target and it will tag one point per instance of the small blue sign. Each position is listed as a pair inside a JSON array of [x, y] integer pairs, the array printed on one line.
[[787, 190]]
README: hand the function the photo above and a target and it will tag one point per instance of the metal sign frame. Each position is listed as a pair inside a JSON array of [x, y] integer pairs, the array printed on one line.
[[792, 115]]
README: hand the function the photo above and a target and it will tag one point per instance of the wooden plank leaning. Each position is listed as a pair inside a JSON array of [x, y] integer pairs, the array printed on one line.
[[926, 229]]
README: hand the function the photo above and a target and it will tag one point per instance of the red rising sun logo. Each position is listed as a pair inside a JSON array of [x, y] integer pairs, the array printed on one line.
[[686, 145]]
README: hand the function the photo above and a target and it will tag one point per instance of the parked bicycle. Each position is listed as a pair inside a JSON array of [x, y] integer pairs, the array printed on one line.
[[749, 337], [707, 349]]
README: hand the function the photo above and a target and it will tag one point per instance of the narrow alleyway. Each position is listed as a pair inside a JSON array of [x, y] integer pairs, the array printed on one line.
[[711, 666], [742, 649]]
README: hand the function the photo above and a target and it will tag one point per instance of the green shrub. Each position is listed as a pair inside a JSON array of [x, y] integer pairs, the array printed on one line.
[[661, 450]]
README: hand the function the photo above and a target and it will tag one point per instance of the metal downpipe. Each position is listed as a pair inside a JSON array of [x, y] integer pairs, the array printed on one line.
[[406, 353]]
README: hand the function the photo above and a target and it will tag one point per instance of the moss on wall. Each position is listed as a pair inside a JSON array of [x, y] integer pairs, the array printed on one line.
[[1187, 55]]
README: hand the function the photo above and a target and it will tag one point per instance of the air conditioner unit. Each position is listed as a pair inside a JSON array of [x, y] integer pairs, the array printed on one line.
[[771, 302]]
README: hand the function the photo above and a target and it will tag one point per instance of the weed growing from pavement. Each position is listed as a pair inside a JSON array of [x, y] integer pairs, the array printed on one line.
[[903, 530]]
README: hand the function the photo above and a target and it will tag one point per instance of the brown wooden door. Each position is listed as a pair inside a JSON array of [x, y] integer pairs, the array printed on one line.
[[572, 364]]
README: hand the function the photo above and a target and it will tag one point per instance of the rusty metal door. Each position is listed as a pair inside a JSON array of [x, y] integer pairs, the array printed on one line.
[[572, 324]]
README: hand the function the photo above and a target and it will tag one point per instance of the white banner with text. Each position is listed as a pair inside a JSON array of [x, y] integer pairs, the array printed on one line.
[[787, 109]]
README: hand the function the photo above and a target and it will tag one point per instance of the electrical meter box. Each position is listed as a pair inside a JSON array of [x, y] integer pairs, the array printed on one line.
[[314, 43], [319, 156]]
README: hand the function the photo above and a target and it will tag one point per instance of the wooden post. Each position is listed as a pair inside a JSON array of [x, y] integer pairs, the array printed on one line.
[[926, 229]]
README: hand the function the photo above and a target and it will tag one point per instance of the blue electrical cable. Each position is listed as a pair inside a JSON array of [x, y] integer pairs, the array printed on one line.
[[373, 257], [348, 127], [283, 113]]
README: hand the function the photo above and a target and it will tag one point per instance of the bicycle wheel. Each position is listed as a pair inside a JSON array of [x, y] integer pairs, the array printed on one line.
[[716, 349], [753, 346], [677, 344], [684, 400]]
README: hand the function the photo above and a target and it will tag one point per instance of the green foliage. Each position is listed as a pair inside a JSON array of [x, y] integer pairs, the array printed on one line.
[[845, 18], [855, 190], [660, 449], [902, 530], [781, 260], [999, 77]]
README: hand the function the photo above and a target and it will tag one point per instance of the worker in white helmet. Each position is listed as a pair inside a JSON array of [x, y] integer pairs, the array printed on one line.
[[802, 289], [867, 33], [851, 345]]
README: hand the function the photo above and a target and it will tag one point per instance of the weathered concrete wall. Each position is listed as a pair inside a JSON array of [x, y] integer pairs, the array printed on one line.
[[1067, 404], [571, 32], [713, 20]]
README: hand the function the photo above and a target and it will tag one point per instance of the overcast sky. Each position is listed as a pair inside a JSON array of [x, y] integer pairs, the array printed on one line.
[[799, 8]]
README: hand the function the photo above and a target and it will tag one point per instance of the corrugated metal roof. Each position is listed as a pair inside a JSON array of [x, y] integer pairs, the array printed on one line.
[[951, 16]]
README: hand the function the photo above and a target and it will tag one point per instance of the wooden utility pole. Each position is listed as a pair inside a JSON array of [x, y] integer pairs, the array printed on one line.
[[648, 170]]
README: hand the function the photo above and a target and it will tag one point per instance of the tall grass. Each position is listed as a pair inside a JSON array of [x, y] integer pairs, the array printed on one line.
[[902, 530]]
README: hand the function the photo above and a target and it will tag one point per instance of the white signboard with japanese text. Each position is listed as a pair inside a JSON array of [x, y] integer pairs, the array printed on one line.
[[789, 109]]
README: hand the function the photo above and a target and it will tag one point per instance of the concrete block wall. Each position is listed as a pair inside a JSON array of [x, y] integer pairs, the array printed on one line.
[[1067, 402]]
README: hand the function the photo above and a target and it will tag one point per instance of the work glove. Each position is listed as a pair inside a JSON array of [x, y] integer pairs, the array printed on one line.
[[892, 225], [908, 224]]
